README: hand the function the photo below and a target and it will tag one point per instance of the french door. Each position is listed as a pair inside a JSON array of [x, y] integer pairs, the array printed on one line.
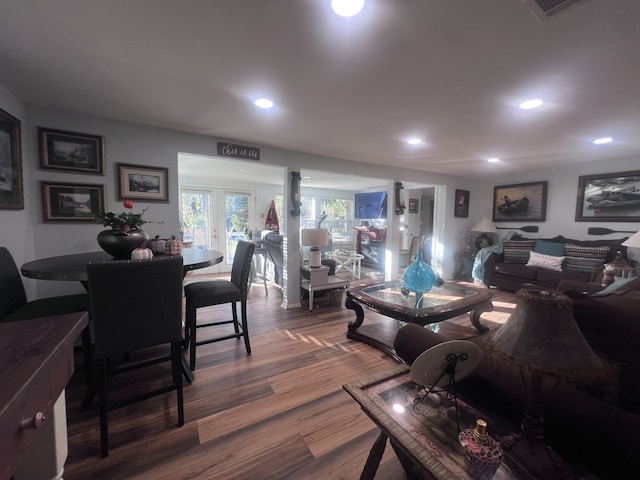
[[217, 219]]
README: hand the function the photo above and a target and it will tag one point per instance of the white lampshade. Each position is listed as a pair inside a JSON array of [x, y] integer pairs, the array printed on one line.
[[315, 237], [485, 226], [633, 241]]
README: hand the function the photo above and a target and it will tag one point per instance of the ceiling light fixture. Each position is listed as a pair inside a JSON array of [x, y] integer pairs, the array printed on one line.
[[603, 140], [414, 141], [493, 160], [263, 103], [347, 8], [529, 104]]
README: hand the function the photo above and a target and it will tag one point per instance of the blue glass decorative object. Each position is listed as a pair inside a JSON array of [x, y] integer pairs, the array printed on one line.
[[419, 277]]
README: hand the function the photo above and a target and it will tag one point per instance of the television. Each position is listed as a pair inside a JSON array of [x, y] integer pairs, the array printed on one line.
[[370, 205]]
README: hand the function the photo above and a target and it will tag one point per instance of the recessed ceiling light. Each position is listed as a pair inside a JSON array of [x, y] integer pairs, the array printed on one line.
[[493, 160], [603, 140], [414, 141], [347, 8], [263, 103], [529, 104]]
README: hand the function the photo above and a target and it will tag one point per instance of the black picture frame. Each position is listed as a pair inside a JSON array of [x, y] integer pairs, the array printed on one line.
[[609, 197], [11, 187], [139, 182], [521, 201], [413, 205], [71, 202], [65, 151], [461, 205]]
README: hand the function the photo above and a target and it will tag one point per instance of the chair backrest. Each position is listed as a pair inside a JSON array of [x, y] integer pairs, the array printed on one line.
[[241, 268], [12, 294], [135, 304]]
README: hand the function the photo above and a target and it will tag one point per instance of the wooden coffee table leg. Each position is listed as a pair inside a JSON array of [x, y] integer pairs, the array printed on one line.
[[357, 308], [475, 315], [375, 455]]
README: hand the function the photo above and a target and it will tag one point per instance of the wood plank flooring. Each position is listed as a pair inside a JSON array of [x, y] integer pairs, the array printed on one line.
[[280, 413]]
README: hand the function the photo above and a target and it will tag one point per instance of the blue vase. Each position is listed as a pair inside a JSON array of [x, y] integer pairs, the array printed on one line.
[[419, 278]]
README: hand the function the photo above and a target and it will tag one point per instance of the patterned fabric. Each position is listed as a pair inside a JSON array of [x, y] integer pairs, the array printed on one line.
[[584, 259], [541, 260], [517, 251]]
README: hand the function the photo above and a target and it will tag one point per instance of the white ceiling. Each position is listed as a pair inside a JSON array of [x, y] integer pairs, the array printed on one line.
[[449, 71]]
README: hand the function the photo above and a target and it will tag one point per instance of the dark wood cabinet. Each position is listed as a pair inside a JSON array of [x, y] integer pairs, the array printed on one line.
[[371, 242]]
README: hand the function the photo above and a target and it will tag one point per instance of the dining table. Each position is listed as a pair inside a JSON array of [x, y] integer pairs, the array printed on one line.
[[73, 267]]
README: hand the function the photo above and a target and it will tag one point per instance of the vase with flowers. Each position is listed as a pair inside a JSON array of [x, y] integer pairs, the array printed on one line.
[[125, 234]]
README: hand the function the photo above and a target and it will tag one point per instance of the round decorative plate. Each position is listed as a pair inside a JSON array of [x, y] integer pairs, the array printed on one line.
[[426, 369]]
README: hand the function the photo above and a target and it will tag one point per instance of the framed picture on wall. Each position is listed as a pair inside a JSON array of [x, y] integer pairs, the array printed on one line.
[[462, 204], [72, 152], [413, 205], [137, 182], [522, 201], [609, 197], [11, 196], [76, 202]]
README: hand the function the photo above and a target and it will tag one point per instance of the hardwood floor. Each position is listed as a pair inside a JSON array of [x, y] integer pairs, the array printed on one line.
[[280, 413]]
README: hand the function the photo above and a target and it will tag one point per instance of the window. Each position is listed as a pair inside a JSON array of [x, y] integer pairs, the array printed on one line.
[[339, 220], [307, 211]]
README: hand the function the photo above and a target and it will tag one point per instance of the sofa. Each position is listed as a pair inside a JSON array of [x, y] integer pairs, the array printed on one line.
[[544, 263], [596, 429]]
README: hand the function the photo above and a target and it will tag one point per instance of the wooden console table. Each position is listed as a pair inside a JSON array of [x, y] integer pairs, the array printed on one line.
[[36, 363]]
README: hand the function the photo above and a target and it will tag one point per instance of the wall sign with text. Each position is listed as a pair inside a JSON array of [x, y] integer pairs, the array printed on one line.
[[238, 151]]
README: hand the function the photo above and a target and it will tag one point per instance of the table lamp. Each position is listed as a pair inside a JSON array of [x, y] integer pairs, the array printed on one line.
[[633, 241], [484, 226], [542, 339], [315, 238]]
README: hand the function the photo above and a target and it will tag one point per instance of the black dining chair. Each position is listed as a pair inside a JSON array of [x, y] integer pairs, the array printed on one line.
[[14, 305], [136, 305], [219, 291]]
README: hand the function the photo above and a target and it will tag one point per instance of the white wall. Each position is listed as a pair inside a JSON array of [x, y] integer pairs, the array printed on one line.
[[561, 200]]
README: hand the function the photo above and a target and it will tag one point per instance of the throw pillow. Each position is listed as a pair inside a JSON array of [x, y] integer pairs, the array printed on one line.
[[584, 259], [549, 262], [517, 251], [614, 286], [549, 248]]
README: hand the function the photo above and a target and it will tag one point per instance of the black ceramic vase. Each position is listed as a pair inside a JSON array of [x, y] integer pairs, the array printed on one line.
[[120, 244]]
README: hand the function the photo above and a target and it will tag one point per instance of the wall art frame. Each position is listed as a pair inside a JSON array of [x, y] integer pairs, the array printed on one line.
[[139, 182], [65, 151], [71, 202], [520, 201], [609, 197], [413, 205], [11, 186], [461, 208]]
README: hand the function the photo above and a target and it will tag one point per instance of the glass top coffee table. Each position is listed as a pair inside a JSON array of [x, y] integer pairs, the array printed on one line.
[[441, 303]]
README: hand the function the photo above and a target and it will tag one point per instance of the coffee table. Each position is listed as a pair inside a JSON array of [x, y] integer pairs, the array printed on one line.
[[441, 303], [425, 439]]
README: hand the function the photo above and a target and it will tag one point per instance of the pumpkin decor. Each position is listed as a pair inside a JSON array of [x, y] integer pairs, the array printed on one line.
[[173, 246], [158, 245], [141, 253]]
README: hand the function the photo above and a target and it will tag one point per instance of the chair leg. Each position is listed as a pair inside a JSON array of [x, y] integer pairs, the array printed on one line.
[[191, 322], [234, 312], [101, 373], [176, 367], [245, 328]]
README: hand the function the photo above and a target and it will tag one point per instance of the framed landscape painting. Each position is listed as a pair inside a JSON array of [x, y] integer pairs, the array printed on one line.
[[11, 196], [138, 182], [71, 152], [74, 202], [522, 201], [610, 197]]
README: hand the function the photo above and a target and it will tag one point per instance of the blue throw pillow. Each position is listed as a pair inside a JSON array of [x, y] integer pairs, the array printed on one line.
[[614, 286], [549, 248]]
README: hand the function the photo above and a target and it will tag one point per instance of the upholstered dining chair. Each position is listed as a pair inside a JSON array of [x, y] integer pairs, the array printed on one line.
[[14, 305], [216, 292], [136, 305]]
